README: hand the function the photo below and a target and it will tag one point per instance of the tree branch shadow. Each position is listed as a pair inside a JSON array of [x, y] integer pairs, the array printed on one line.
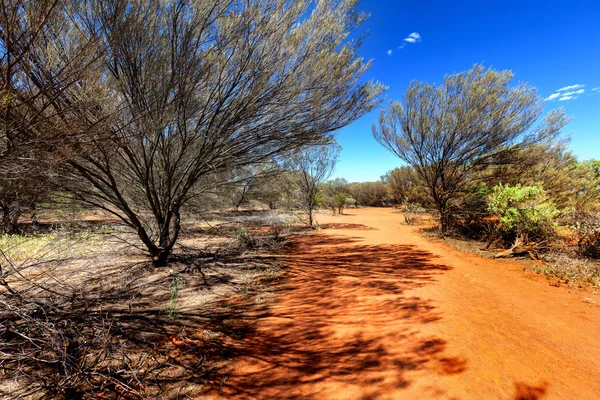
[[345, 315]]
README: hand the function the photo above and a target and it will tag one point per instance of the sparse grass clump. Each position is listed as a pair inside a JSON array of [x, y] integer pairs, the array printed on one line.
[[576, 273], [413, 213], [177, 284], [19, 247], [32, 245]]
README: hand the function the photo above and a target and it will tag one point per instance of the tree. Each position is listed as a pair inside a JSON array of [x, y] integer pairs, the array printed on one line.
[[41, 60], [190, 89], [314, 166], [339, 201], [334, 194], [244, 183], [405, 185], [338, 184], [451, 133], [370, 194]]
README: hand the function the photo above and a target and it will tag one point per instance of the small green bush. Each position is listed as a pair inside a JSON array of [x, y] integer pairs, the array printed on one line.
[[523, 211]]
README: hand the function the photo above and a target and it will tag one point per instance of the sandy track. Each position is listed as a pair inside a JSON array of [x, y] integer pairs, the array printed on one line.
[[371, 310]]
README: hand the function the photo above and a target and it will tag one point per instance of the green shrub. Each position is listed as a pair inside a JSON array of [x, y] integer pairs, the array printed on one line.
[[522, 211]]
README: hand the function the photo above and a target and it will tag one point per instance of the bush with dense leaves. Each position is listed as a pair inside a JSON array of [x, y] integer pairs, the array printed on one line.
[[522, 211]]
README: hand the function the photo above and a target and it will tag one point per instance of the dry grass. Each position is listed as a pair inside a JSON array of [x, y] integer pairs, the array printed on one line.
[[576, 272], [561, 264], [145, 332]]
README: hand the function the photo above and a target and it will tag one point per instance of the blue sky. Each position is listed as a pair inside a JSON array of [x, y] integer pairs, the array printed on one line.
[[549, 44]]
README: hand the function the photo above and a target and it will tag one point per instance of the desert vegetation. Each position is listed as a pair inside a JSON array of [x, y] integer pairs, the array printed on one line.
[[480, 154], [156, 157], [134, 120]]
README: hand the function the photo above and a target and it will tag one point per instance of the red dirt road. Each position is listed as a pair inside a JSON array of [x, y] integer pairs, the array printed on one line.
[[371, 310]]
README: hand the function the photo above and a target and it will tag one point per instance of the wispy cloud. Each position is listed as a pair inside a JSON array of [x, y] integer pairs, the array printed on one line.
[[566, 88], [553, 96], [567, 93], [580, 91], [389, 52], [413, 38], [596, 89]]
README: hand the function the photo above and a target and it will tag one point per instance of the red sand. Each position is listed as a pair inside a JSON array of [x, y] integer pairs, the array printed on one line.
[[385, 314]]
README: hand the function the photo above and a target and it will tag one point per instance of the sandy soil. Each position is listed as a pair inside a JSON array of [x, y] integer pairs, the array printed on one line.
[[372, 310]]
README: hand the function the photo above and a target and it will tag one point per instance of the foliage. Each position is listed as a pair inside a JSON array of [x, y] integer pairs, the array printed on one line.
[[313, 166], [569, 183], [339, 201], [334, 194], [252, 182], [523, 211], [453, 132], [405, 186], [40, 60], [350, 202], [177, 284], [370, 194], [164, 99], [586, 228], [470, 214]]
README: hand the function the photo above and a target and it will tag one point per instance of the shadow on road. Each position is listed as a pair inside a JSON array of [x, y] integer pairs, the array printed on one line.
[[524, 391], [344, 319]]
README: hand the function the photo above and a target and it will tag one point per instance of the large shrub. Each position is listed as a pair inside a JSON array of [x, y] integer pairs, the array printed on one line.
[[522, 211]]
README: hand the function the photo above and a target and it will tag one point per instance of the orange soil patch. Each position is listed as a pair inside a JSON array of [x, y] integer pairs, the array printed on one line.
[[386, 314]]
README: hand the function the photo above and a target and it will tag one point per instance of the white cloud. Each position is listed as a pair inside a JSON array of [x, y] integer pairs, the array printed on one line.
[[412, 38], [567, 88], [596, 89], [553, 96], [580, 91], [567, 93]]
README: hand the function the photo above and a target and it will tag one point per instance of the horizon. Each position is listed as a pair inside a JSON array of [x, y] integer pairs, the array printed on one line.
[[552, 49]]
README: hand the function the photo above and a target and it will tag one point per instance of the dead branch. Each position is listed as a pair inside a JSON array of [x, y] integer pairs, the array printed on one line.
[[521, 247]]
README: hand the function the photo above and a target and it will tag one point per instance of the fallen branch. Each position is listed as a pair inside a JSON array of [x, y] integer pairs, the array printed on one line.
[[521, 247]]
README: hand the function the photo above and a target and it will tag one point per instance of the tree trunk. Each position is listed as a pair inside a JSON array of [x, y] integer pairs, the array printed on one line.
[[169, 232], [160, 258], [442, 225], [168, 236], [10, 223]]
